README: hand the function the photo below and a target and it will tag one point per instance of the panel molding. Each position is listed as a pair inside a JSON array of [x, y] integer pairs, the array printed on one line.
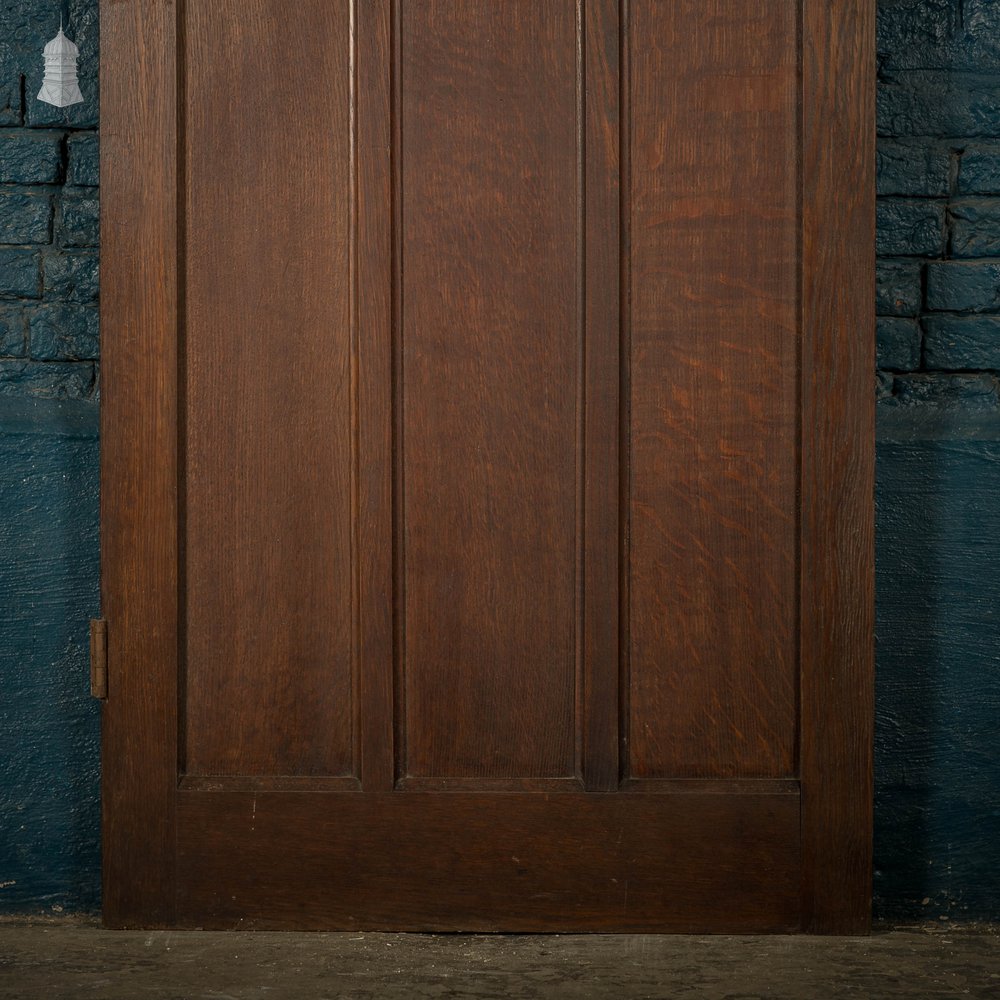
[[268, 783], [374, 294], [711, 786], [599, 526], [624, 384], [446, 784]]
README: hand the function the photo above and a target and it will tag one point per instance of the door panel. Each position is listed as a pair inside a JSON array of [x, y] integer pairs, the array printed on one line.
[[486, 466], [267, 393], [713, 439], [490, 342]]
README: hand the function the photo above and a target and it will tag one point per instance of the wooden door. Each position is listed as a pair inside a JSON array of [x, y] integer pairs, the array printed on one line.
[[487, 464]]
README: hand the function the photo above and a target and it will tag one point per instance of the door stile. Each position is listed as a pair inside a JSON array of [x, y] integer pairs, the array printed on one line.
[[600, 296], [837, 546], [139, 459]]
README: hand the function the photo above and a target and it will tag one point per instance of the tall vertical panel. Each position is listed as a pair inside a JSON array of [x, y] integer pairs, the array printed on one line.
[[268, 394], [713, 107], [489, 324]]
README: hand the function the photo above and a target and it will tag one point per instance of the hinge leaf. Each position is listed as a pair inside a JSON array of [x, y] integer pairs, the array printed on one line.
[[99, 658]]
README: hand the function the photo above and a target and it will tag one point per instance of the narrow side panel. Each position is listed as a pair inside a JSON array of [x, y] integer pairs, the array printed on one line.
[[714, 230], [488, 386], [269, 391]]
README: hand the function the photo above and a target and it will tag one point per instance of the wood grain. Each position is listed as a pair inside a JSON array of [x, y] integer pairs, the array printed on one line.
[[490, 341], [838, 463], [373, 73], [268, 392], [713, 435], [601, 307], [476, 862], [139, 466]]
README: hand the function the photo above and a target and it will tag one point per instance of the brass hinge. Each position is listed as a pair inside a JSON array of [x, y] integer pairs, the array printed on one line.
[[99, 658]]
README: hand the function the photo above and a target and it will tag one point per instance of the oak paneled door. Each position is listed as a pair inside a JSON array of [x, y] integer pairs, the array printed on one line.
[[487, 463]]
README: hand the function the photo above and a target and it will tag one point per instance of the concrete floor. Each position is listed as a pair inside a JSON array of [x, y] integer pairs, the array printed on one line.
[[82, 961]]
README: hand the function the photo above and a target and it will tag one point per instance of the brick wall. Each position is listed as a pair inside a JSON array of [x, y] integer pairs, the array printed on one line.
[[48, 209], [938, 239]]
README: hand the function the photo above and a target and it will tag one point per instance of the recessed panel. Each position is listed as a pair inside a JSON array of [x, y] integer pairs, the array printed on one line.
[[488, 369], [713, 221], [268, 401]]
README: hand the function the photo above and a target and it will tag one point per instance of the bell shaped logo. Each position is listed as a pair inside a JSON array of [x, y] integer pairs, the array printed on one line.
[[60, 87]]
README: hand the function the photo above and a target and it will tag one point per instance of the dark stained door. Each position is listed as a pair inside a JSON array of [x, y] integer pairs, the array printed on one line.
[[488, 464]]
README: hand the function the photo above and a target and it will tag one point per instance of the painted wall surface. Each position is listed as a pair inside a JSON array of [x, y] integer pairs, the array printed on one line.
[[937, 805], [49, 726], [937, 774], [937, 817]]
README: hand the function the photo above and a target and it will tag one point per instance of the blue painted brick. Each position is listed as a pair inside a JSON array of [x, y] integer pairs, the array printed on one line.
[[897, 288], [63, 333], [917, 34], [25, 217], [80, 222], [975, 227], [963, 286], [953, 343], [972, 392], [84, 161], [979, 169], [897, 343], [913, 167], [910, 227], [72, 276], [981, 31], [939, 103], [30, 157], [49, 380], [10, 73], [82, 115], [950, 35], [13, 330], [20, 273]]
